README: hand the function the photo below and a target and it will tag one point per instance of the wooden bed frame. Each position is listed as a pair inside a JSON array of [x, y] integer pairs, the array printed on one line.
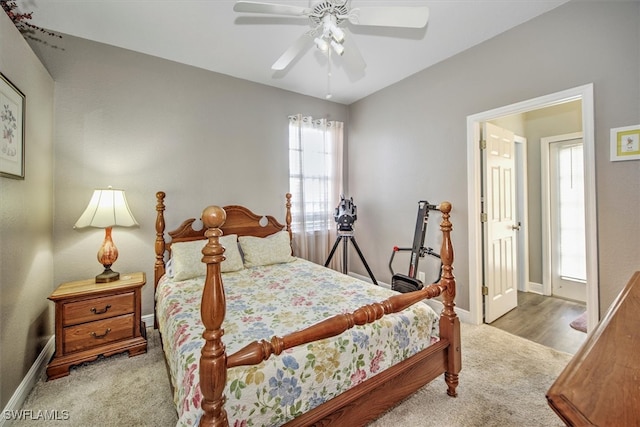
[[357, 406]]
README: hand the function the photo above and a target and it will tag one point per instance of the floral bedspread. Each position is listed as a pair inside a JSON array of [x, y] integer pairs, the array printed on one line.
[[276, 300]]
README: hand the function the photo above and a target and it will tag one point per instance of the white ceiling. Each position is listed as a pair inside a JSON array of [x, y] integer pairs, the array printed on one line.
[[210, 35]]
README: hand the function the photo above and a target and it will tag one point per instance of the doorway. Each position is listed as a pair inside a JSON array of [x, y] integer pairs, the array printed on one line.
[[474, 124], [564, 264]]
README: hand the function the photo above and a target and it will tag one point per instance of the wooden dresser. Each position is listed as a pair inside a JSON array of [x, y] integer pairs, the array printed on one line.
[[94, 319], [601, 384]]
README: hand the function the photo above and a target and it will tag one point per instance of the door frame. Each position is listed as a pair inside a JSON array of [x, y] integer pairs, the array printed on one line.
[[584, 93], [545, 144], [522, 200]]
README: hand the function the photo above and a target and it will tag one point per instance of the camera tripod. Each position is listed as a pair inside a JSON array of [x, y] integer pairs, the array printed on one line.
[[345, 236]]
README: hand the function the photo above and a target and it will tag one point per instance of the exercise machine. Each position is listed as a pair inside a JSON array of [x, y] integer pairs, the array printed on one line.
[[408, 282]]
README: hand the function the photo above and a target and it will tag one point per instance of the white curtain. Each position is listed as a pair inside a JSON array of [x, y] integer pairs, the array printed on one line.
[[316, 183]]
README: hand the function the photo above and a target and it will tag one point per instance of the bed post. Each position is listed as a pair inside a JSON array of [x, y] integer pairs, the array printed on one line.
[[288, 216], [213, 359], [449, 322], [159, 247]]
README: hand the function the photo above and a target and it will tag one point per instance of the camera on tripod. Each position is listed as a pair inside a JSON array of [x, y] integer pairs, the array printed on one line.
[[345, 214]]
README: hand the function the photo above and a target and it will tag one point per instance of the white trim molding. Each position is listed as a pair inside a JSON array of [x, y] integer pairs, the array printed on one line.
[[148, 320], [28, 382], [536, 288], [34, 374], [585, 93], [546, 205]]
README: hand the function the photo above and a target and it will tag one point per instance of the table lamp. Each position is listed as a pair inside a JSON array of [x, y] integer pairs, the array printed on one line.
[[107, 208]]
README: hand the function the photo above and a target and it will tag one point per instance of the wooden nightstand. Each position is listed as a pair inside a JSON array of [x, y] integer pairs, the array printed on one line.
[[94, 319]]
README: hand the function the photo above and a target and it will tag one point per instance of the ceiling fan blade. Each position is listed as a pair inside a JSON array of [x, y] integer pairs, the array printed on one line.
[[406, 17], [300, 45], [276, 9], [353, 61]]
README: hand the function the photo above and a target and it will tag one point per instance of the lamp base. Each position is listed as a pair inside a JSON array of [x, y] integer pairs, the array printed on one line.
[[107, 276]]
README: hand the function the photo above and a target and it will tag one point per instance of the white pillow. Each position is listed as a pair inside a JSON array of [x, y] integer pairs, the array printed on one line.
[[187, 258], [273, 249]]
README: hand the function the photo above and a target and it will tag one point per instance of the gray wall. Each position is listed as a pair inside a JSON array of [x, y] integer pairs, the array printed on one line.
[[558, 120], [26, 212], [420, 152], [145, 124], [134, 122]]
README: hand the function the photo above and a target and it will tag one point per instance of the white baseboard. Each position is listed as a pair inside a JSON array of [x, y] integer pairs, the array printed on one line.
[[464, 315], [22, 392], [148, 320], [536, 288], [35, 372], [368, 279]]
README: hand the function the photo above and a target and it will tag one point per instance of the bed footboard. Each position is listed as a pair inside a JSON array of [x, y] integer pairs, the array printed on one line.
[[214, 360], [259, 351]]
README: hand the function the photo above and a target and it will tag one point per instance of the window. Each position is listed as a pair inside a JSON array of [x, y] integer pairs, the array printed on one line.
[[315, 182]]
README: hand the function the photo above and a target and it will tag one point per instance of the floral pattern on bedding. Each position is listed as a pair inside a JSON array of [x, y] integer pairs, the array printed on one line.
[[276, 300]]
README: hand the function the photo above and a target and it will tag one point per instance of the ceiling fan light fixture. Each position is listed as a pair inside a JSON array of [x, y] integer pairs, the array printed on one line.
[[337, 47], [321, 44], [336, 33], [327, 16]]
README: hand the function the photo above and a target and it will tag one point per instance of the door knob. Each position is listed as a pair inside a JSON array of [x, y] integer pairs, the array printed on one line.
[[516, 227]]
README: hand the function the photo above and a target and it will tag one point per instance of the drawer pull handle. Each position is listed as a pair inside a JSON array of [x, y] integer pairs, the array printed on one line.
[[95, 310], [93, 334]]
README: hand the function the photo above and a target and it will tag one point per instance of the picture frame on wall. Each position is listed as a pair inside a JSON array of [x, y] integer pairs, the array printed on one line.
[[625, 143], [12, 107]]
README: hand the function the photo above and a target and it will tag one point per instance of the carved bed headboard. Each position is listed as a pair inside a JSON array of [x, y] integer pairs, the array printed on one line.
[[239, 220]]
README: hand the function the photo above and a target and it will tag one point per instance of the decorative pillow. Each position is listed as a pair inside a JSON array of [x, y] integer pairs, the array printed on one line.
[[187, 258], [168, 268], [273, 249]]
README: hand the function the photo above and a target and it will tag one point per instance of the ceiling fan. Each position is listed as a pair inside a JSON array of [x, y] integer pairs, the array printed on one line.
[[326, 19]]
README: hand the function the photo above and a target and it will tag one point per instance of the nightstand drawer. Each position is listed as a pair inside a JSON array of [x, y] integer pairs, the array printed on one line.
[[94, 319], [98, 333], [89, 310]]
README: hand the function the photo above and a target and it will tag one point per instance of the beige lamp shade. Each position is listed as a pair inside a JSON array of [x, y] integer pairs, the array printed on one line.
[[107, 208]]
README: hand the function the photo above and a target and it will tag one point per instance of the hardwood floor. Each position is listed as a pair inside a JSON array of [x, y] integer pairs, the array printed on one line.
[[544, 320]]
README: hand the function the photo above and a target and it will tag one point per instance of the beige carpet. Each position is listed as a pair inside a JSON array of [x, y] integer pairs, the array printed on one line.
[[113, 391], [502, 383]]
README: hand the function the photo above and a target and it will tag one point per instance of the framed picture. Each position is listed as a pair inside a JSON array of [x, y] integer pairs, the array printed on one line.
[[625, 143], [12, 105]]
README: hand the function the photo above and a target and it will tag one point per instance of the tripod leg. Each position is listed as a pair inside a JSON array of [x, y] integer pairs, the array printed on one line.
[[345, 251], [355, 245], [333, 250]]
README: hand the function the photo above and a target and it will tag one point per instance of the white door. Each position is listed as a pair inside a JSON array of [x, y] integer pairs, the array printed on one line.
[[567, 252], [500, 226], [475, 176]]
